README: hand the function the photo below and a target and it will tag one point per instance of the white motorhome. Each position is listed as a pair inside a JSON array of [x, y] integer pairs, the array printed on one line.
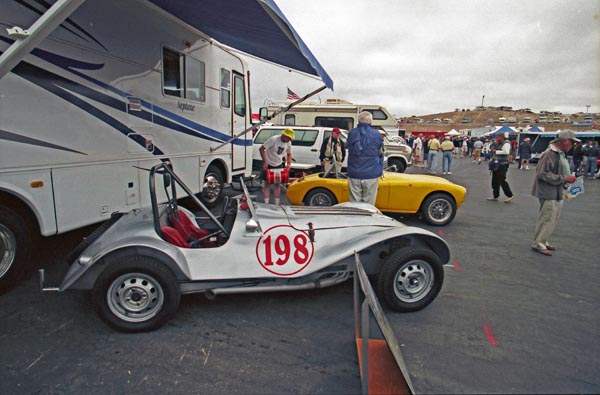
[[333, 113], [94, 92]]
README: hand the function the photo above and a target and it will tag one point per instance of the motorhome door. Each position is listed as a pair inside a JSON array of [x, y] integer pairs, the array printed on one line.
[[239, 122]]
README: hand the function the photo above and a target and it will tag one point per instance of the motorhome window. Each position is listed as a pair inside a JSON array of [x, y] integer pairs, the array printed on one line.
[[225, 88], [335, 122], [173, 73], [378, 115], [194, 78], [239, 106], [290, 120], [225, 78], [305, 138]]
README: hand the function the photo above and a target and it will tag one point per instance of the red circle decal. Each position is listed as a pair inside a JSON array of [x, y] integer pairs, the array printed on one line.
[[284, 251]]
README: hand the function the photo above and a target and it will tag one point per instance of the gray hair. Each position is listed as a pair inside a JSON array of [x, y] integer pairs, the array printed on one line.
[[365, 117]]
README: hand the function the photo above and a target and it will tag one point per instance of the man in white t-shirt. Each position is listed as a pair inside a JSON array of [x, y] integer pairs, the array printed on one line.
[[417, 149], [276, 153]]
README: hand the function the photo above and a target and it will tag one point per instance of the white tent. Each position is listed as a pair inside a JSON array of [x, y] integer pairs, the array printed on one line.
[[453, 132]]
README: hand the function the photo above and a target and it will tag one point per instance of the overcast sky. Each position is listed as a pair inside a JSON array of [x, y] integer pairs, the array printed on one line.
[[427, 56]]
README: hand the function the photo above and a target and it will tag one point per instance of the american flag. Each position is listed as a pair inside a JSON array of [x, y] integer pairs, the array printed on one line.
[[291, 95]]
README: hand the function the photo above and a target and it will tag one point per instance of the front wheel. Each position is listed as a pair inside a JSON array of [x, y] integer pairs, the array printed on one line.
[[320, 197], [212, 187], [136, 294], [400, 167], [438, 209], [15, 248], [410, 279]]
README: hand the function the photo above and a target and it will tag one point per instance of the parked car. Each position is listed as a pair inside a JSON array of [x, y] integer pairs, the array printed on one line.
[[138, 266], [306, 145], [465, 120], [435, 198], [307, 142]]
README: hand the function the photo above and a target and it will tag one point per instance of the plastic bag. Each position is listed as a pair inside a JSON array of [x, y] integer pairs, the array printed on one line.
[[575, 188]]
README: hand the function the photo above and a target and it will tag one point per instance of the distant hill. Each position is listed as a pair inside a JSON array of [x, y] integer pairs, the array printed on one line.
[[488, 117]]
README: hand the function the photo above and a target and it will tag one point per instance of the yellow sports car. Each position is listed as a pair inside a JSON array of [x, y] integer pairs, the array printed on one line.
[[435, 198]]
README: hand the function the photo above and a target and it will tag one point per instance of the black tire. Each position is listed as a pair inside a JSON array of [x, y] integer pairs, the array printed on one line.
[[212, 187], [410, 279], [136, 294], [400, 167], [15, 248], [438, 209], [320, 197]]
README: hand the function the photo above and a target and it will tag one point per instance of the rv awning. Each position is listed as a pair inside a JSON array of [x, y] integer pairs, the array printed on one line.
[[256, 27]]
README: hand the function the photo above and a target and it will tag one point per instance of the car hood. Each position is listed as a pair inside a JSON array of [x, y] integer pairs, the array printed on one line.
[[388, 175], [345, 215]]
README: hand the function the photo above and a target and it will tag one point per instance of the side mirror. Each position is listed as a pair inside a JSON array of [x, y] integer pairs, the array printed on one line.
[[263, 114]]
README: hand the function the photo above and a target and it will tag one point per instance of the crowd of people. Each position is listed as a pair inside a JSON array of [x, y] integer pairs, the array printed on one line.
[[565, 159]]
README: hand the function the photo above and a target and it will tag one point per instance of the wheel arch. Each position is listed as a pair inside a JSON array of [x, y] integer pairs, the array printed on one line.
[[315, 187], [23, 208], [436, 192], [88, 278], [221, 165], [374, 255]]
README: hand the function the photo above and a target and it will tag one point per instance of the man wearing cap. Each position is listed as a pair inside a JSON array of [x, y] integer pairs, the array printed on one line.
[[272, 153], [552, 173], [447, 147], [499, 167], [333, 149], [365, 160]]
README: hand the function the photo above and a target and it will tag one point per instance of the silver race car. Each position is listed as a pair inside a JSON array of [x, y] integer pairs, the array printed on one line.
[[139, 263]]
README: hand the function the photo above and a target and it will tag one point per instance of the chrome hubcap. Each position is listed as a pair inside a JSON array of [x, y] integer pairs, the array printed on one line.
[[320, 199], [8, 249], [211, 188], [135, 297], [440, 210], [413, 281]]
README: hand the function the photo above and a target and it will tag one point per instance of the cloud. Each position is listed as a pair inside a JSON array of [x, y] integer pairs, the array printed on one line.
[[418, 57]]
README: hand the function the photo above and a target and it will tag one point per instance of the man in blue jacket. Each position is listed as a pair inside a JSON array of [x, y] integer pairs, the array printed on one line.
[[365, 160]]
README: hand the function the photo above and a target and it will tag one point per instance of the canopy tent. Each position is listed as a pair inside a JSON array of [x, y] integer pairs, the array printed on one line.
[[453, 132], [256, 27], [504, 129], [534, 129]]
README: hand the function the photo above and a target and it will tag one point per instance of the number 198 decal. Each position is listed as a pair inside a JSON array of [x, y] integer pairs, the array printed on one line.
[[284, 251]]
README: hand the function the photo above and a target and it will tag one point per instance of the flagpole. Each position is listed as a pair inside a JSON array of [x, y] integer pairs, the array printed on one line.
[[287, 108]]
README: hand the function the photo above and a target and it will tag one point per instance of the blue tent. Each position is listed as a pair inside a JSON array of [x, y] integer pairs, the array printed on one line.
[[257, 27], [504, 129], [534, 129]]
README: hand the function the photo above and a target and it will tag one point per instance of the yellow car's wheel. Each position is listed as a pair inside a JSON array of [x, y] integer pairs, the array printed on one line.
[[438, 209], [320, 197]]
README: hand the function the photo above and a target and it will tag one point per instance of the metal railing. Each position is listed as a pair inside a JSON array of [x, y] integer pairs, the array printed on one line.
[[382, 367]]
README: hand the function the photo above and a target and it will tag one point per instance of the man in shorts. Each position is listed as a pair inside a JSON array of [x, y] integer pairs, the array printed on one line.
[[272, 153], [417, 148]]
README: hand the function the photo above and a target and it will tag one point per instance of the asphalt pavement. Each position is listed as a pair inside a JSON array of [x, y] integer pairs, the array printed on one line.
[[507, 320]]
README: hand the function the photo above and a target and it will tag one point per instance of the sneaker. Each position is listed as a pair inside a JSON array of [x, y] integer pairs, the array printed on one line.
[[526, 167], [510, 199], [443, 172], [449, 173], [492, 199]]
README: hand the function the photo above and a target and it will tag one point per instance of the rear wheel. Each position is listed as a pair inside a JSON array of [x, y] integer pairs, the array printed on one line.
[[212, 187], [438, 209], [320, 197], [136, 294], [15, 248], [410, 279]]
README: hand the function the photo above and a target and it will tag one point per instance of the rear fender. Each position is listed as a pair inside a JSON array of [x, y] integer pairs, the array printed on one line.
[[83, 276]]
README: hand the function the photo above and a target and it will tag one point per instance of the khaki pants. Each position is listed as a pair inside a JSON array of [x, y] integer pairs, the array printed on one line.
[[363, 190], [547, 220]]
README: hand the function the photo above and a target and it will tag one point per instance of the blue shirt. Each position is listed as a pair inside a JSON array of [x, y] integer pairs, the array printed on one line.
[[365, 152]]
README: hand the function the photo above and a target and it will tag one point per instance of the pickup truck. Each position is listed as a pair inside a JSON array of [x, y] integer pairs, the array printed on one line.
[[306, 147]]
